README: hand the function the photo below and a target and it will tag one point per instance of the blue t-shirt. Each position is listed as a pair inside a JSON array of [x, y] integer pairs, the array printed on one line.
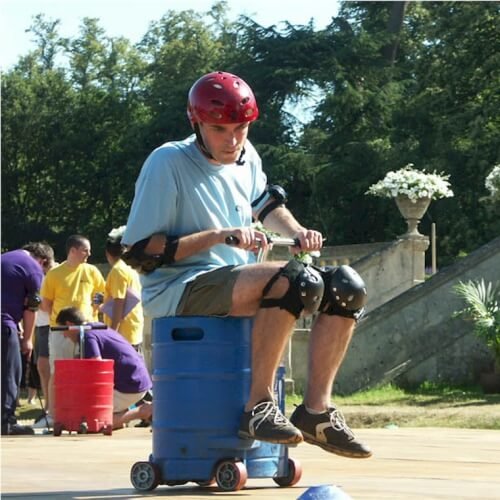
[[180, 192], [21, 276], [130, 372]]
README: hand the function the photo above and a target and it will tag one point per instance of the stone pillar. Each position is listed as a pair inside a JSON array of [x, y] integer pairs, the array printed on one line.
[[414, 256]]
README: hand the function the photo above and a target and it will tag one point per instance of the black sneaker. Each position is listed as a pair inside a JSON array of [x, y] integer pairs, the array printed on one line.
[[329, 431], [17, 430], [41, 416], [265, 422], [143, 423], [43, 421]]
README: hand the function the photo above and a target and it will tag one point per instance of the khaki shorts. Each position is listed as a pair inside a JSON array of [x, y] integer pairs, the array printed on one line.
[[60, 347], [122, 400], [210, 294]]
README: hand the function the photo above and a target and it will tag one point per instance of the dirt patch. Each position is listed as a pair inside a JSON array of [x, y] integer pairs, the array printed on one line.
[[462, 415]]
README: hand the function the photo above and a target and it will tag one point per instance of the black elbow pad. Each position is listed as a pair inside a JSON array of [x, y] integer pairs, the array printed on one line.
[[33, 301], [278, 196]]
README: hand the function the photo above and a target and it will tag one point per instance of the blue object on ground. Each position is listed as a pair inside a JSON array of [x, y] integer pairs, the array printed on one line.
[[324, 492]]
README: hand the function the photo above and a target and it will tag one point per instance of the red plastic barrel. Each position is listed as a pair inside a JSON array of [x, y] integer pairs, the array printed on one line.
[[83, 390]]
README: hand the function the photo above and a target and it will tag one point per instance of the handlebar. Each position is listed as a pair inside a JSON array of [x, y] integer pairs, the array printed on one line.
[[275, 240], [77, 328]]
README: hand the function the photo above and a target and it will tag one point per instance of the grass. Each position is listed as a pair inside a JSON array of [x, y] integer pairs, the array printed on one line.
[[28, 412], [429, 405]]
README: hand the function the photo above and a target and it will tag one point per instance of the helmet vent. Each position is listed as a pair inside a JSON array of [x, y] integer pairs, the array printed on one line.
[[218, 86], [245, 100], [216, 102]]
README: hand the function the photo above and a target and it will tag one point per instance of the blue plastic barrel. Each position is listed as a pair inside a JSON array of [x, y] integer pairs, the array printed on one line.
[[201, 381]]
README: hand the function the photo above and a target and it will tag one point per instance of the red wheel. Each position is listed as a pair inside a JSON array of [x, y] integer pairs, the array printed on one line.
[[107, 430], [293, 476], [231, 475], [145, 476], [58, 428]]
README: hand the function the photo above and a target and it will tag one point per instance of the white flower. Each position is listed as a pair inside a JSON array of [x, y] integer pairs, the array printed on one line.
[[307, 257], [492, 183], [412, 183], [116, 234]]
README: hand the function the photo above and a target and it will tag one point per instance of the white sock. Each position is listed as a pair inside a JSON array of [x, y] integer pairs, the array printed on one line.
[[314, 412]]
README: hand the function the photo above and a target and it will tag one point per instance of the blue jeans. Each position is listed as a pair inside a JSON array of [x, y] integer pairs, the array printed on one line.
[[11, 374]]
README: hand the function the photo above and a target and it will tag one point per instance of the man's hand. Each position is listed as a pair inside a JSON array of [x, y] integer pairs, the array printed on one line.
[[26, 347], [309, 239], [246, 238]]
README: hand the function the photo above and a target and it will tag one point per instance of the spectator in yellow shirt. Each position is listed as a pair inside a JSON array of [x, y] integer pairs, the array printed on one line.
[[74, 283], [122, 291]]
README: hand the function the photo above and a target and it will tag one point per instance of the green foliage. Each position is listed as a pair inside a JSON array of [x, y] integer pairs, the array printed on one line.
[[483, 308], [385, 87], [425, 394]]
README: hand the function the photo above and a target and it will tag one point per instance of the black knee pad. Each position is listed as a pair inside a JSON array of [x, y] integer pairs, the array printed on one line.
[[304, 293], [345, 292]]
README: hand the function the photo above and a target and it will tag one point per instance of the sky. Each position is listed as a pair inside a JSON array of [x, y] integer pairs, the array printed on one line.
[[131, 18]]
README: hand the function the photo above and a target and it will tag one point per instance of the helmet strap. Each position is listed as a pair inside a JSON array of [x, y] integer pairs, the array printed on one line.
[[199, 138], [240, 160]]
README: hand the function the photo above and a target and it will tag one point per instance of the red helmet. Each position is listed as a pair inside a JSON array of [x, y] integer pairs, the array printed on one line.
[[221, 97]]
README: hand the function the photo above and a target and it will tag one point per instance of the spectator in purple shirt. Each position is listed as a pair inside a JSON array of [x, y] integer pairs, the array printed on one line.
[[22, 276], [131, 376]]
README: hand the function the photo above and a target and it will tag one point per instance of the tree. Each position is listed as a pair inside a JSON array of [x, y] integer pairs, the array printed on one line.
[[393, 83], [178, 49], [449, 116], [72, 139]]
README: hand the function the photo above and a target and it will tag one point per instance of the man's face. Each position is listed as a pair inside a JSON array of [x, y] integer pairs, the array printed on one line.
[[224, 142], [82, 253]]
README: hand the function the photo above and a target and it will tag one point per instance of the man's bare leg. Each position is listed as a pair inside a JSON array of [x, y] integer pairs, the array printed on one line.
[[142, 412], [320, 422], [52, 392], [271, 331], [330, 338], [272, 328], [43, 367]]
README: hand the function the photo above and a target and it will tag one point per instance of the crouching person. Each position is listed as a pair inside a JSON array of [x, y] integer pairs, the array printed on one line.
[[131, 377]]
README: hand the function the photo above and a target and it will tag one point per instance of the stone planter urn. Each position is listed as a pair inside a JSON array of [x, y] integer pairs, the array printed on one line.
[[412, 211]]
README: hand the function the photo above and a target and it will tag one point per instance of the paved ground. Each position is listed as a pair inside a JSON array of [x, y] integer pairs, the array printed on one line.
[[407, 464]]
